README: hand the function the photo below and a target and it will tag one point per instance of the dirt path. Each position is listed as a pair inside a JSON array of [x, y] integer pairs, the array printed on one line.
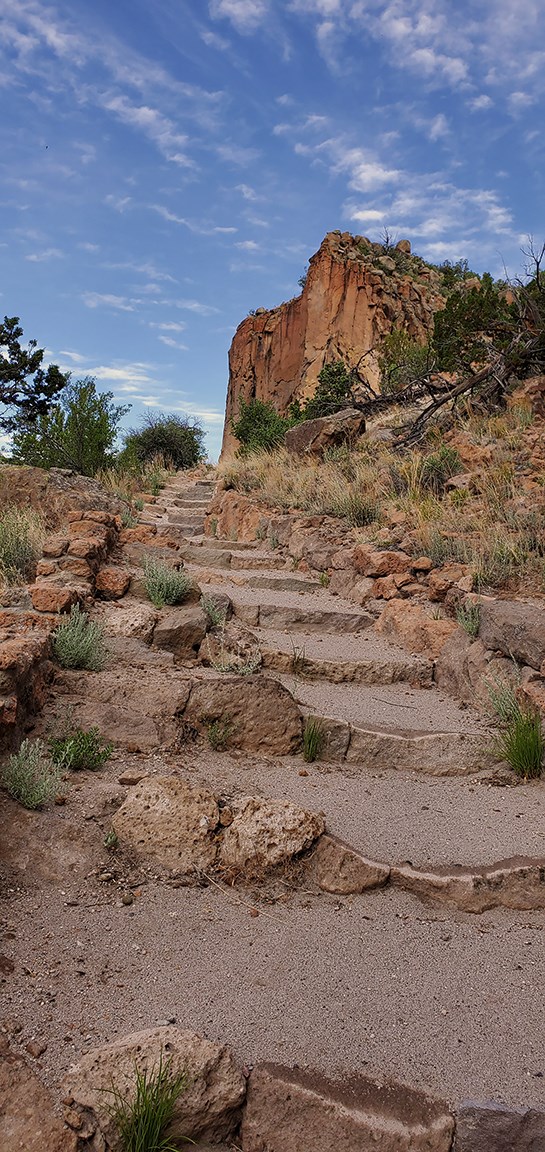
[[381, 982]]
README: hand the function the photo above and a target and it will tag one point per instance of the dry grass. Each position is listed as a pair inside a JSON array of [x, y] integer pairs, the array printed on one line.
[[491, 524], [22, 533], [126, 483]]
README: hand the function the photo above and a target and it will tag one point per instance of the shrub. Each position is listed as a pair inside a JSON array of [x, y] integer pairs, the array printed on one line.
[[219, 733], [438, 467], [177, 438], [259, 426], [402, 361], [77, 749], [79, 431], [30, 776], [313, 738], [78, 642], [21, 537], [165, 585], [215, 614], [143, 1120], [469, 618], [520, 741], [332, 393]]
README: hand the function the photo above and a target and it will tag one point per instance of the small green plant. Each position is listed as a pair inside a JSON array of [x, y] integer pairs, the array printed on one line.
[[357, 509], [260, 532], [313, 738], [216, 615], [142, 1120], [138, 504], [21, 536], [30, 776], [438, 467], [324, 579], [78, 642], [155, 482], [520, 742], [213, 525], [273, 542], [128, 519], [111, 840], [219, 733], [165, 585], [298, 658], [78, 750], [469, 617]]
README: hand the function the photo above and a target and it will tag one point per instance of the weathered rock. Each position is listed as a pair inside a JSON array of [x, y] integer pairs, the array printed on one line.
[[515, 883], [435, 753], [52, 597], [169, 821], [380, 563], [28, 1122], [53, 492], [409, 625], [289, 1110], [208, 1108], [181, 631], [129, 619], [55, 545], [264, 715], [339, 869], [493, 1127], [514, 629], [313, 437], [231, 647], [265, 833]]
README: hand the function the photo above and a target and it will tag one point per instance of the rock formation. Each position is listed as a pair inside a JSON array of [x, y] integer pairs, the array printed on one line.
[[354, 293]]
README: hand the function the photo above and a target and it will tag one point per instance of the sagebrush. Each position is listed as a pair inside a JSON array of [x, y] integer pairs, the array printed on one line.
[[78, 642], [30, 776], [165, 585]]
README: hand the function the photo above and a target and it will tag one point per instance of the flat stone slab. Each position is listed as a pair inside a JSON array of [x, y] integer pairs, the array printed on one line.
[[492, 1127], [290, 1110], [518, 882]]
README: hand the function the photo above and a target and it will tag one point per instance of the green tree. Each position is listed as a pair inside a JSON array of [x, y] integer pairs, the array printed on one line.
[[333, 393], [177, 439], [78, 432], [259, 426], [402, 361], [472, 320], [25, 384]]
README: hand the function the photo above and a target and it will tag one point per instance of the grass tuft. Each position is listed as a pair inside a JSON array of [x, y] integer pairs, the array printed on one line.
[[469, 617], [165, 585], [219, 733], [143, 1119], [216, 615], [78, 642], [313, 738], [520, 742], [30, 776], [78, 750], [21, 538]]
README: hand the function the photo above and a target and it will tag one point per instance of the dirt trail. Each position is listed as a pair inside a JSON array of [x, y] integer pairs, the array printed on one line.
[[380, 982]]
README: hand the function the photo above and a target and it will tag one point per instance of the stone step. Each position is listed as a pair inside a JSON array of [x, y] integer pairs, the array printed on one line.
[[288, 583], [356, 659], [225, 543], [292, 618], [202, 557]]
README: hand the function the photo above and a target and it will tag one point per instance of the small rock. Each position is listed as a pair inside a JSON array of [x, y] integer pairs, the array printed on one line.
[[127, 898], [35, 1048]]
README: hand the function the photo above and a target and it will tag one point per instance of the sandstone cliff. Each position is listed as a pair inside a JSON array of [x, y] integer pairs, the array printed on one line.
[[354, 293]]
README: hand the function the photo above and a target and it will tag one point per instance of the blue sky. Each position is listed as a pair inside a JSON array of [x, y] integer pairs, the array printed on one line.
[[169, 165]]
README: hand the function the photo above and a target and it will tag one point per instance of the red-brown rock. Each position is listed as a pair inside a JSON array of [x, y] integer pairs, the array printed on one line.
[[112, 583], [52, 597]]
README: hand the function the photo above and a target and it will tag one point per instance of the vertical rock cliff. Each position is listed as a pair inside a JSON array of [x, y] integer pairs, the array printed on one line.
[[355, 292]]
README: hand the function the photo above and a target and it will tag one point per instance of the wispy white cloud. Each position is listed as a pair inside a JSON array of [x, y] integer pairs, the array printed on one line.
[[171, 343], [169, 325], [196, 306], [202, 228], [120, 203], [481, 103], [237, 154], [247, 245], [245, 15], [45, 254], [107, 300], [153, 124]]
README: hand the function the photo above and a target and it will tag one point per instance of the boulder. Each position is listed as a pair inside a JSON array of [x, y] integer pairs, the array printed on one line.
[[208, 1108], [27, 1116], [181, 631], [169, 821], [290, 1110], [265, 833], [516, 630], [264, 715], [52, 597], [129, 619], [231, 646], [312, 437], [494, 1127], [410, 626], [339, 869]]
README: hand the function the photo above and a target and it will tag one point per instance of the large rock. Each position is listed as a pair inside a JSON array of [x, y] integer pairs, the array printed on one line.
[[209, 1108], [263, 714], [265, 833], [514, 629], [493, 1127], [28, 1122], [347, 305], [410, 626], [290, 1110], [312, 437], [169, 821], [181, 631]]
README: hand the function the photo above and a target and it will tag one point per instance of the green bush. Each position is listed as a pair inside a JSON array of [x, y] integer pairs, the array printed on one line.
[[165, 585], [402, 361], [259, 426], [219, 733], [79, 750], [332, 393], [21, 537], [30, 776], [78, 642], [216, 615], [143, 1119], [177, 438], [78, 431], [438, 467]]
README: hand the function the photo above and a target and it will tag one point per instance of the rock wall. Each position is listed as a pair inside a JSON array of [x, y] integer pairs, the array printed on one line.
[[355, 292]]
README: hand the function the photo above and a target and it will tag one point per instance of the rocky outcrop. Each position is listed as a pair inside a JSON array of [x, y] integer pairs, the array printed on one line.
[[354, 293], [313, 437]]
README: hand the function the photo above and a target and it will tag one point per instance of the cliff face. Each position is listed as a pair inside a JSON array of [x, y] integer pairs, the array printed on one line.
[[354, 294]]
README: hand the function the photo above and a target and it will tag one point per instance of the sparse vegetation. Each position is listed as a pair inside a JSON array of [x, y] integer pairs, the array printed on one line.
[[216, 615], [259, 426], [468, 616], [30, 776], [219, 732], [77, 749], [142, 1120], [21, 538], [78, 642], [165, 585], [314, 736], [520, 742]]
